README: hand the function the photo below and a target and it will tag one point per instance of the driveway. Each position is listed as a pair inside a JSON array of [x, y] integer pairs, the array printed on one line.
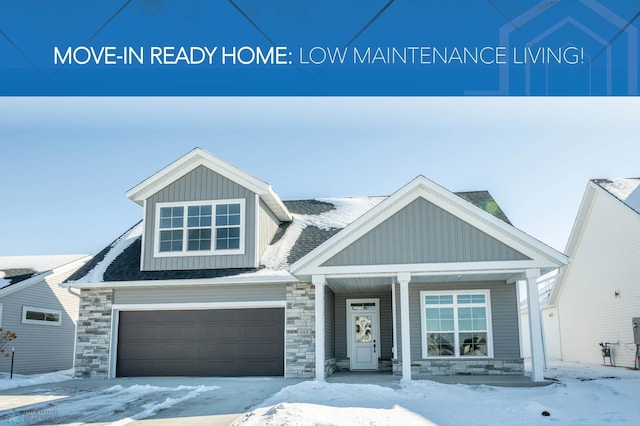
[[141, 401]]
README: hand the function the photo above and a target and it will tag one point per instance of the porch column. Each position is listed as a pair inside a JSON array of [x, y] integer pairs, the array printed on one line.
[[394, 320], [535, 327], [405, 338], [319, 282]]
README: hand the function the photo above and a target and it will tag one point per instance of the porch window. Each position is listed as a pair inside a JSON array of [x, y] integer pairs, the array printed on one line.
[[456, 324]]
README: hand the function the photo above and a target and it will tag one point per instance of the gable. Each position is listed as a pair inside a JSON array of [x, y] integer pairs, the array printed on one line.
[[200, 184], [422, 232]]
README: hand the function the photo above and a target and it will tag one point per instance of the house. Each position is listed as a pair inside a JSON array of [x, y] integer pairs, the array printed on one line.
[[596, 297], [223, 278], [41, 313]]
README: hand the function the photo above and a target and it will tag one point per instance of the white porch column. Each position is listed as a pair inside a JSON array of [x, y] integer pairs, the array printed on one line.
[[535, 327], [319, 282], [405, 338], [394, 320]]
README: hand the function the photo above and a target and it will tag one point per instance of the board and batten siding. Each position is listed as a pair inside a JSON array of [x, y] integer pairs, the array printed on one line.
[[201, 294], [606, 260], [423, 233], [386, 325], [201, 184], [41, 348], [268, 225], [504, 316]]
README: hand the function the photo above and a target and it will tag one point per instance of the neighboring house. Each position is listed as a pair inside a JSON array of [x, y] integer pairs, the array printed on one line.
[[41, 313], [598, 295], [223, 278]]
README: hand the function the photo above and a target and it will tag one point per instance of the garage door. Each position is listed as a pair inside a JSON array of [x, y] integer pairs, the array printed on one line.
[[221, 342]]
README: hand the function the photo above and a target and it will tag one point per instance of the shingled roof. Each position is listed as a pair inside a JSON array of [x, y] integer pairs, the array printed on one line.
[[315, 220]]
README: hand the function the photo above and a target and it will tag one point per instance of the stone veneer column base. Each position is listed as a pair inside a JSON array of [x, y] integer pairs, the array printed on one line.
[[300, 356], [94, 333], [451, 367]]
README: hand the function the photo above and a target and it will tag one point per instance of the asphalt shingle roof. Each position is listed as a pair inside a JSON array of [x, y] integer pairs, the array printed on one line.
[[126, 267]]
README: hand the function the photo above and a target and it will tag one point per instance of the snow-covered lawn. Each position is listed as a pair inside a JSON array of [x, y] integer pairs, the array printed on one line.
[[582, 395], [20, 380]]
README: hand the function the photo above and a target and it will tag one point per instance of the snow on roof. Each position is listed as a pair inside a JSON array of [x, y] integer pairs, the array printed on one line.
[[38, 263], [346, 211], [626, 190], [117, 247]]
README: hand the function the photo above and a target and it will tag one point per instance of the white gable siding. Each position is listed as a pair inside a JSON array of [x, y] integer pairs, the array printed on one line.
[[606, 260]]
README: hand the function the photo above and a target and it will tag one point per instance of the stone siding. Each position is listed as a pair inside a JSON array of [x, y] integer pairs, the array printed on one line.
[[300, 342], [451, 367], [94, 333]]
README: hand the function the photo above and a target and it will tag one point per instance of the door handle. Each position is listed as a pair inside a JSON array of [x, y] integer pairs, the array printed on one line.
[[374, 346]]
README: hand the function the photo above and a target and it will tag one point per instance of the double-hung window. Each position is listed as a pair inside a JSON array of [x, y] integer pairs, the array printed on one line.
[[456, 324], [200, 227]]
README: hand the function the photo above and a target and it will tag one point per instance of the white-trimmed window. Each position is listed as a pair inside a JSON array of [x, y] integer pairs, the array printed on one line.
[[41, 316], [456, 324], [200, 227]]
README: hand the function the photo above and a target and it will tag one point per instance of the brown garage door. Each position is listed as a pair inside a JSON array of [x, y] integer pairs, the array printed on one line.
[[220, 342]]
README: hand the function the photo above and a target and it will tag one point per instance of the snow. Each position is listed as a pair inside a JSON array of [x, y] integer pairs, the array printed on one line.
[[20, 380], [345, 212], [38, 263], [583, 395], [118, 246], [621, 187]]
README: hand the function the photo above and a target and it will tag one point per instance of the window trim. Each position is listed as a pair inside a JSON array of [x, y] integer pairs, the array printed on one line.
[[185, 233], [25, 309], [455, 293]]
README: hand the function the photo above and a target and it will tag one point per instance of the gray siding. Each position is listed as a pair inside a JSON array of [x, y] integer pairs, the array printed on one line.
[[201, 184], [423, 233], [329, 324], [504, 316], [41, 348], [201, 294], [268, 226], [386, 326]]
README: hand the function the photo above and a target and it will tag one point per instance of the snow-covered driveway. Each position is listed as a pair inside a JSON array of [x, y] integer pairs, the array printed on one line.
[[122, 401]]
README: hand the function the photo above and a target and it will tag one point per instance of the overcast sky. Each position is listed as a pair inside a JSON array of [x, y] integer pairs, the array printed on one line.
[[66, 163]]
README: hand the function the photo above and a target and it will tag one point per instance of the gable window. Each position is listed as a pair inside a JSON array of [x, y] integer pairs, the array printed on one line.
[[200, 227], [43, 316], [456, 324]]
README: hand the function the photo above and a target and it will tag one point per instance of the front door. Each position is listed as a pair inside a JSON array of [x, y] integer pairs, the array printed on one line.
[[363, 333]]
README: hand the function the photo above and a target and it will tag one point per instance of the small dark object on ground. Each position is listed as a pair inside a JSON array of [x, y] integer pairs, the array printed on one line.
[[546, 413]]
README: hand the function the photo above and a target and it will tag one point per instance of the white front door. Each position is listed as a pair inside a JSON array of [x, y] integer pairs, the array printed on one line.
[[363, 333]]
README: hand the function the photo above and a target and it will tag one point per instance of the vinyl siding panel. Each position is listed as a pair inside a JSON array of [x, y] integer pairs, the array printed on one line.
[[504, 314], [201, 184], [605, 260], [386, 326], [200, 294], [268, 225], [423, 233], [330, 321], [41, 348]]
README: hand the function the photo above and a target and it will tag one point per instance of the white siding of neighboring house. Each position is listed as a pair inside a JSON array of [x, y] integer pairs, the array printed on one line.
[[41, 348], [606, 259], [551, 333]]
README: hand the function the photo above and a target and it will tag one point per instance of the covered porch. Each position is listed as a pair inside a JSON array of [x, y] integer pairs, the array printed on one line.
[[424, 324]]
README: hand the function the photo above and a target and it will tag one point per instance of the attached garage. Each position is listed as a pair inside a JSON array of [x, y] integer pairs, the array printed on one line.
[[214, 342]]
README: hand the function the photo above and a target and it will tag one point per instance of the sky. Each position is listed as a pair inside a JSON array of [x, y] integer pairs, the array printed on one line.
[[66, 162]]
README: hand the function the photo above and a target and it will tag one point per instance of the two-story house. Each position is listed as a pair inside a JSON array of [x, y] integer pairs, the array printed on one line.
[[223, 278]]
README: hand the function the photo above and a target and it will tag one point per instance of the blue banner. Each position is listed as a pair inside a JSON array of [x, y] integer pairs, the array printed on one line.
[[325, 47]]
